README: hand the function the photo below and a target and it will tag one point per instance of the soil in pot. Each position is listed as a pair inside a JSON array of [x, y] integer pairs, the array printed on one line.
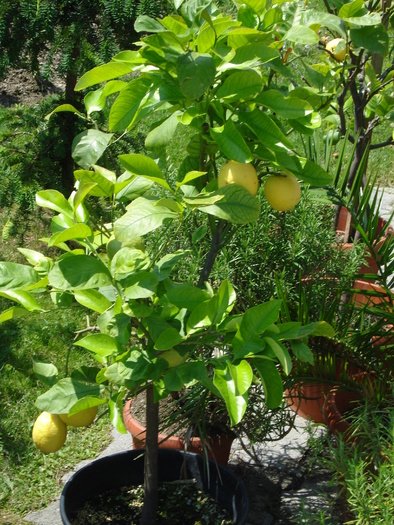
[[179, 504]]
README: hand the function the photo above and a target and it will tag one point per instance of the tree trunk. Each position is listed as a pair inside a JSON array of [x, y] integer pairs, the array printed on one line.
[[151, 460]]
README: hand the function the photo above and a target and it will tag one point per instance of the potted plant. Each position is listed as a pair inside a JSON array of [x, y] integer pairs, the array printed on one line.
[[204, 72]]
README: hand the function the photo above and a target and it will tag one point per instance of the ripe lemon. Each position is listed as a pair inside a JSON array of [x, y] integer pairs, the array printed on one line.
[[80, 419], [173, 358], [337, 47], [238, 173], [49, 432], [283, 192]]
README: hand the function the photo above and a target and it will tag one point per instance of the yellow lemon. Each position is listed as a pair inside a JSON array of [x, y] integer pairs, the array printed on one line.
[[80, 419], [283, 192], [238, 173], [49, 432], [173, 357], [337, 47]]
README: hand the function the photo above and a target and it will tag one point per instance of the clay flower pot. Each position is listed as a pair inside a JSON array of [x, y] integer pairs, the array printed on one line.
[[217, 447], [338, 402]]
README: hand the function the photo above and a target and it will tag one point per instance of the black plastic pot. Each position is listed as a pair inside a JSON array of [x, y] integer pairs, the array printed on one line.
[[127, 468]]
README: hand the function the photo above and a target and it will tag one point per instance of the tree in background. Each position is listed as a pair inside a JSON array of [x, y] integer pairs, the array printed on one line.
[[68, 37]]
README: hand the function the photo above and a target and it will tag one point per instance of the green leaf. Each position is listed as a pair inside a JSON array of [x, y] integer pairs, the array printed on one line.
[[100, 344], [15, 312], [115, 408], [271, 381], [351, 9], [144, 167], [255, 320], [189, 177], [302, 352], [54, 200], [237, 207], [142, 217], [92, 299], [302, 35], [314, 175], [141, 285], [164, 266], [231, 142], [266, 130], [15, 275], [47, 373], [89, 146], [22, 297], [79, 272], [240, 85], [78, 231], [127, 191], [103, 73], [168, 339], [372, 38], [233, 383], [161, 136], [124, 110], [196, 72], [281, 353], [147, 24], [187, 296], [288, 107], [68, 108], [61, 397]]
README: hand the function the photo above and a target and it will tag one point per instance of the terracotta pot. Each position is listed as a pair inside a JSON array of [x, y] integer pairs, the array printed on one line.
[[337, 403], [217, 447], [307, 397], [368, 293]]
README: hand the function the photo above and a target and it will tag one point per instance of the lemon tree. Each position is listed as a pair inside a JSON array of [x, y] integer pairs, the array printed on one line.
[[49, 432]]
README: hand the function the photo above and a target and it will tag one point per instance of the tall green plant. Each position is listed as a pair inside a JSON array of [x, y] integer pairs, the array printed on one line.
[[215, 76]]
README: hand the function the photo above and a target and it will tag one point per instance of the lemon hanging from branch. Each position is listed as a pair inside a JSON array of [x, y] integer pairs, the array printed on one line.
[[238, 173]]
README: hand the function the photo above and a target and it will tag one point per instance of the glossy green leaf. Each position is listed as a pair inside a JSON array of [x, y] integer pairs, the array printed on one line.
[[161, 136], [63, 395], [130, 100], [144, 167], [372, 38], [93, 299], [288, 107], [271, 381], [47, 373], [15, 312], [187, 296], [147, 24], [142, 217], [266, 130], [302, 35], [233, 383], [231, 142], [237, 207], [281, 353], [89, 146], [101, 344], [302, 352], [115, 408], [16, 276], [141, 285], [168, 339], [24, 298], [240, 85], [103, 73], [196, 72], [67, 108], [79, 272], [78, 231], [254, 322], [54, 200], [164, 266]]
